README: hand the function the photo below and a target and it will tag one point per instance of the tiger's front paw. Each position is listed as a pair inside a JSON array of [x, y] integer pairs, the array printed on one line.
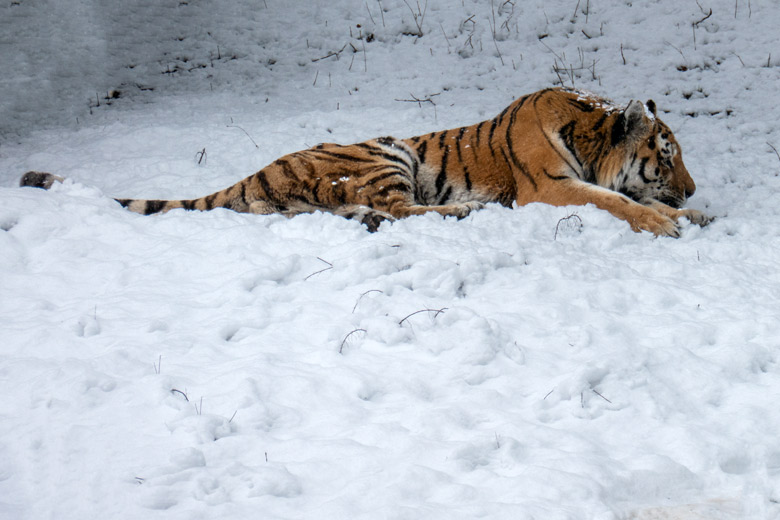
[[656, 223], [696, 217]]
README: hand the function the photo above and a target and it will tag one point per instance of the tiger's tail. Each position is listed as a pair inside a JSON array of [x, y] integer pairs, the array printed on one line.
[[39, 180], [221, 199]]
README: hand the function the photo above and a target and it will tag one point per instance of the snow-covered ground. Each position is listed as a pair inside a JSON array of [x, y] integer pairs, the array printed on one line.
[[512, 365]]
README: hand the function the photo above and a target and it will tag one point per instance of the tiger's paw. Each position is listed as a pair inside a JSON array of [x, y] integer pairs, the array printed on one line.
[[373, 220], [462, 210], [370, 217], [696, 217], [656, 223]]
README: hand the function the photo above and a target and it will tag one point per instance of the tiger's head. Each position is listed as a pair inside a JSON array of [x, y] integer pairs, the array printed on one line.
[[653, 167]]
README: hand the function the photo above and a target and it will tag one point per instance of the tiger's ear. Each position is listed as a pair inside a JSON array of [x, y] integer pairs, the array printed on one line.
[[651, 107], [630, 124], [634, 124]]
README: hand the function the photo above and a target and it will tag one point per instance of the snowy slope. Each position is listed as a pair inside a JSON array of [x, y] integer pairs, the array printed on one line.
[[514, 364]]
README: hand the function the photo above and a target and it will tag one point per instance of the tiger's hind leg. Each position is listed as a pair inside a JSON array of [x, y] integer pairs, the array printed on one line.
[[401, 203], [458, 210]]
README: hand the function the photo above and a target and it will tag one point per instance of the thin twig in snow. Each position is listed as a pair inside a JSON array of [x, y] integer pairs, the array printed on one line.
[[174, 390], [436, 311], [681, 53], [369, 14], [773, 148], [419, 102], [330, 266], [247, 134], [566, 219], [361, 297], [598, 394], [541, 40], [445, 37], [381, 11], [201, 155], [493, 30], [696, 24], [337, 54], [419, 16], [341, 348]]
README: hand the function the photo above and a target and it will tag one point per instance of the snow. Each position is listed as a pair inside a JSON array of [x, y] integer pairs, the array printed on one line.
[[515, 364]]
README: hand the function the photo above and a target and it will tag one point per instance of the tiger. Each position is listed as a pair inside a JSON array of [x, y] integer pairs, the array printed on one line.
[[557, 146]]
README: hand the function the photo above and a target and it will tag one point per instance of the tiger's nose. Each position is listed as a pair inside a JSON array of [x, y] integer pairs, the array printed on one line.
[[689, 191]]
